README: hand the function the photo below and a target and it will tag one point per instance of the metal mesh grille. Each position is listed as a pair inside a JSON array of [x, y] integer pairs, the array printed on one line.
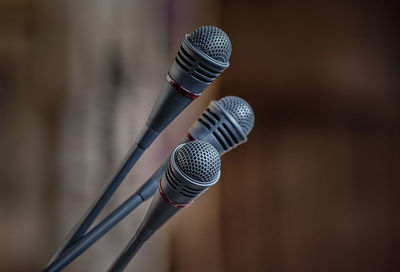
[[199, 160], [213, 42], [240, 110]]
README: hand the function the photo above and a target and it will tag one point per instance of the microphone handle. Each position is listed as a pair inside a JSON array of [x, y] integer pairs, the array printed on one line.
[[130, 250], [169, 103], [142, 194], [85, 222], [71, 253], [158, 213]]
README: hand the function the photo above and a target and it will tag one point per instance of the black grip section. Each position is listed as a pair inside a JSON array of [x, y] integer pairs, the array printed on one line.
[[131, 248], [148, 189], [170, 102], [94, 234], [146, 137], [158, 213]]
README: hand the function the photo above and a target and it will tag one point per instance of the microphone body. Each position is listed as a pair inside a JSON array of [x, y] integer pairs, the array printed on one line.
[[193, 168], [191, 72], [159, 212]]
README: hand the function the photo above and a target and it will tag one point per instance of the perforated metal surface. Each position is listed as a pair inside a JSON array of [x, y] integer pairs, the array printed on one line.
[[213, 42], [199, 160], [240, 110]]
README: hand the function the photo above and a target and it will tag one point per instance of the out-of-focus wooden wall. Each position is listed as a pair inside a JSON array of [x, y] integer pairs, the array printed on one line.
[[32, 88], [316, 186]]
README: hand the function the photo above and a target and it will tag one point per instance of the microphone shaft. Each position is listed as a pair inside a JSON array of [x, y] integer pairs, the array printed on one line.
[[146, 191], [93, 235], [123, 210], [131, 249], [158, 213], [84, 224], [169, 103]]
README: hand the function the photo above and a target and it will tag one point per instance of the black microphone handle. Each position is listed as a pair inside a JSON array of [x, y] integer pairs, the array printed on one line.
[[159, 212], [146, 191], [170, 102], [94, 234], [130, 250], [193, 168]]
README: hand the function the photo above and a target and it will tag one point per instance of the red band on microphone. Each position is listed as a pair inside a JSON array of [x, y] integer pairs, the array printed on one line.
[[171, 202], [189, 137], [180, 89]]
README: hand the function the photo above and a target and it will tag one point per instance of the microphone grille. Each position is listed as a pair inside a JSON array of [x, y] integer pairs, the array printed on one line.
[[240, 110], [213, 42], [199, 160]]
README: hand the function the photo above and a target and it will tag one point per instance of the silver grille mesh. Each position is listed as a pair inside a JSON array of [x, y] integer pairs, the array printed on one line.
[[240, 110], [213, 42], [199, 160]]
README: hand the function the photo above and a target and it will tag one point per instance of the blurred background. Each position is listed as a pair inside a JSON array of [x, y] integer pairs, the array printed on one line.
[[315, 188]]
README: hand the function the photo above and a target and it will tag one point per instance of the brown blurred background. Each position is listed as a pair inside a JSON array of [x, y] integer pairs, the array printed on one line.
[[315, 188]]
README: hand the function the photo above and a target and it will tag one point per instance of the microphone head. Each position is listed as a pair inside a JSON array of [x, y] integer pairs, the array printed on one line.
[[202, 57], [199, 161], [213, 42], [225, 124], [240, 110], [193, 168]]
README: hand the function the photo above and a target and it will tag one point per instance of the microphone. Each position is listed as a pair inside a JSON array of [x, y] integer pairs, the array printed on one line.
[[225, 124], [192, 169], [228, 116], [202, 57]]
